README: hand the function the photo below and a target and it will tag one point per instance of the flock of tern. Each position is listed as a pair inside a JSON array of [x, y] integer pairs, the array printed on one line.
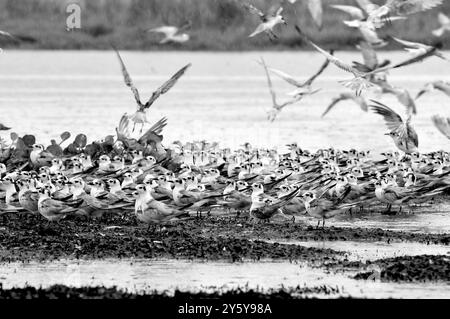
[[159, 184]]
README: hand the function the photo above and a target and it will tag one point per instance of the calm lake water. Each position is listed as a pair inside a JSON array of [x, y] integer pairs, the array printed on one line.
[[223, 97], [137, 275]]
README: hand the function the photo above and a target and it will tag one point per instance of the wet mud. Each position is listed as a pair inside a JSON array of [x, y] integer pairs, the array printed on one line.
[[30, 238], [65, 292]]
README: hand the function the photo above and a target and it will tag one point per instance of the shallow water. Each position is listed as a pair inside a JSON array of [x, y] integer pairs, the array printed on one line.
[[363, 251], [431, 222], [167, 275], [223, 97]]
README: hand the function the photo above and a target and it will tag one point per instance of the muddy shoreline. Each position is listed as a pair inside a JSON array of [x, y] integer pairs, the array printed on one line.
[[65, 292], [26, 238]]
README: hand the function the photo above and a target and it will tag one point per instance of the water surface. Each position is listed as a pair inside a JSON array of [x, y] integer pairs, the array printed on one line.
[[223, 97], [167, 275]]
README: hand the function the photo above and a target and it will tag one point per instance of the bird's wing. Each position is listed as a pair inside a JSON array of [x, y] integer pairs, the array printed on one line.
[[285, 199], [316, 11], [166, 86], [393, 121], [404, 7], [253, 10], [367, 6], [167, 30], [390, 194], [408, 44], [355, 13], [319, 72], [34, 196], [422, 91], [289, 102], [443, 87], [158, 126], [442, 124], [333, 103], [404, 97], [279, 11], [127, 79], [288, 78], [55, 205], [322, 203], [269, 82], [410, 133], [412, 60], [339, 63], [443, 19]]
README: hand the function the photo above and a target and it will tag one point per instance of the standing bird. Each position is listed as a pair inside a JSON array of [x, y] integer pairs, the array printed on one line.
[[438, 85], [323, 208], [264, 207], [268, 21], [403, 134], [28, 199], [51, 209], [172, 33], [360, 100], [140, 116], [444, 21], [39, 157], [391, 195]]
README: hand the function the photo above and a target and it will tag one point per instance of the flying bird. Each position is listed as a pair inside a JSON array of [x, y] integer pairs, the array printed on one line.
[[268, 21], [276, 107], [359, 100], [172, 33], [140, 116], [402, 132], [402, 95], [436, 85], [302, 88], [402, 8], [360, 21], [358, 83]]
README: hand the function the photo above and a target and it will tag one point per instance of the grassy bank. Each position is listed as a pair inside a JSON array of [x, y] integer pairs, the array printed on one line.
[[216, 25]]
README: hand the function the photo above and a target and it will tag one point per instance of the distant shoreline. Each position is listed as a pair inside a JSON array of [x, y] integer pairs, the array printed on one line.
[[217, 26]]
